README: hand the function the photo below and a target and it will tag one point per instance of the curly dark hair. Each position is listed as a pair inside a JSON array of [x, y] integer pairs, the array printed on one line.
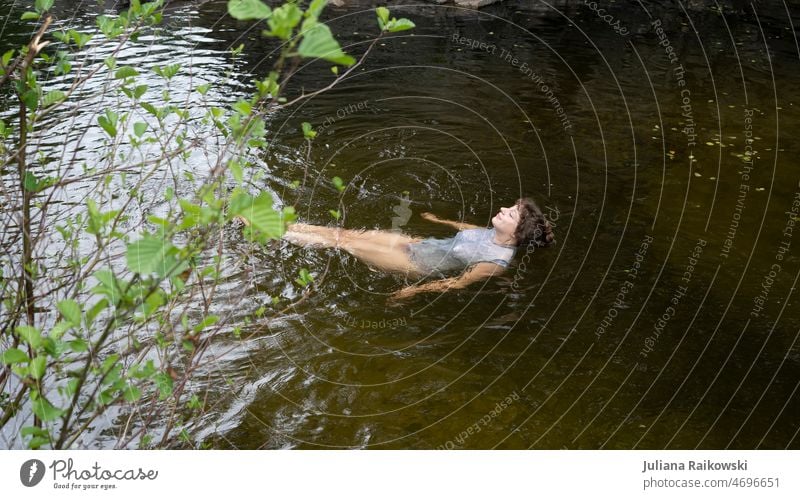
[[533, 227]]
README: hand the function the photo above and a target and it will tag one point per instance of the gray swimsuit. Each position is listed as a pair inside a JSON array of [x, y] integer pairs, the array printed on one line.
[[459, 252]]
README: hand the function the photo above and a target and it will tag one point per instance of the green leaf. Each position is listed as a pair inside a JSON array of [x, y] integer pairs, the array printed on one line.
[[106, 396], [109, 285], [53, 97], [208, 321], [94, 225], [61, 36], [400, 25], [13, 356], [34, 431], [256, 131], [236, 169], [108, 122], [80, 39], [37, 442], [63, 67], [43, 5], [305, 278], [269, 86], [318, 41], [38, 366], [335, 214], [283, 21], [39, 436], [131, 393], [260, 214], [383, 17], [338, 183], [243, 107], [204, 88], [78, 345], [7, 57], [109, 363], [31, 99], [191, 214], [71, 311], [315, 8], [245, 10], [153, 302], [163, 222], [45, 410], [383, 14], [111, 27], [308, 131], [125, 72], [178, 284], [30, 335], [96, 309], [31, 182], [150, 109], [27, 16], [72, 385], [139, 91], [139, 128], [53, 348], [164, 383], [98, 220], [150, 254], [146, 371], [194, 402], [59, 329], [167, 72]]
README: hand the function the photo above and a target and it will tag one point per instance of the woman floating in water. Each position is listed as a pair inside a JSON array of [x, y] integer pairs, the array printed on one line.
[[481, 252]]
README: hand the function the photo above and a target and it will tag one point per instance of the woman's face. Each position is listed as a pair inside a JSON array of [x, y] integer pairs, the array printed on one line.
[[506, 220]]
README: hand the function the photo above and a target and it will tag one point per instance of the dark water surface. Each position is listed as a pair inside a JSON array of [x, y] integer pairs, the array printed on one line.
[[654, 322]]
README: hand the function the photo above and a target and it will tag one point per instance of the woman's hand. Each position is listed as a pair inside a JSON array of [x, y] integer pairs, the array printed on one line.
[[429, 216], [403, 294], [478, 272], [457, 225]]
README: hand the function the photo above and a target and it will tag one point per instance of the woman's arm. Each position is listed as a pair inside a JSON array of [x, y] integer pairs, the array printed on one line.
[[458, 225], [477, 272]]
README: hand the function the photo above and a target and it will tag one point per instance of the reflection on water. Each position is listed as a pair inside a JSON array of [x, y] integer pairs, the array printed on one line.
[[643, 146]]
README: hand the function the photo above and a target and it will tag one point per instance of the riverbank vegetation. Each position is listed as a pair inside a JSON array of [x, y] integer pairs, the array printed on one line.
[[108, 270]]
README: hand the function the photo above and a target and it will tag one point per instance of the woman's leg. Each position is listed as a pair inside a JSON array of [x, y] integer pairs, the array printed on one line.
[[310, 235], [386, 250], [383, 250], [333, 236]]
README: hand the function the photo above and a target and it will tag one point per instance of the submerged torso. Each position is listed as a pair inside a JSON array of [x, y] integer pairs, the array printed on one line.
[[459, 252]]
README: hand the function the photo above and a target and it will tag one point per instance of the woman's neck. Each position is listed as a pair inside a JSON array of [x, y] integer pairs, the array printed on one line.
[[503, 239]]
